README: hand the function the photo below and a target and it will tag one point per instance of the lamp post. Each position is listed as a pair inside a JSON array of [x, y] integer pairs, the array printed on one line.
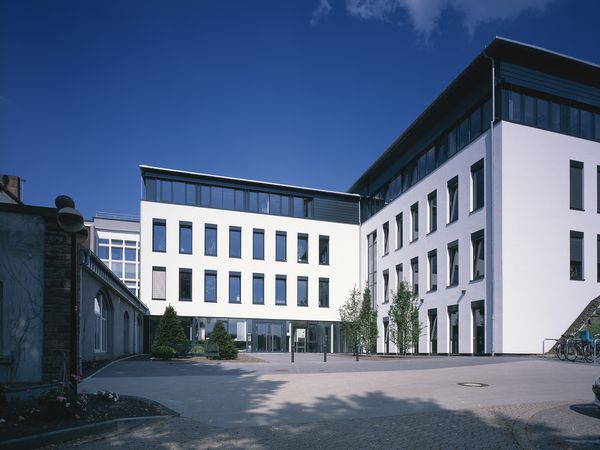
[[71, 221]]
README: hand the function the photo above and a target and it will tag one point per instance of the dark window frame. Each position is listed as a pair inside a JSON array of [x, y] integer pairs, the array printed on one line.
[[233, 275], [323, 282], [186, 226], [159, 223], [185, 271], [211, 273], [235, 229], [207, 227]]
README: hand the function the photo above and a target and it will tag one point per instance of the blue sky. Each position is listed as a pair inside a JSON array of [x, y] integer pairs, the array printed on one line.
[[299, 92]]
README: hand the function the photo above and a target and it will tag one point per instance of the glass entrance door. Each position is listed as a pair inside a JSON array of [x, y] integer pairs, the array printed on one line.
[[432, 314], [453, 319], [269, 337], [477, 309]]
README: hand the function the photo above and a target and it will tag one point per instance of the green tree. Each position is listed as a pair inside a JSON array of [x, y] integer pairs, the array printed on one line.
[[405, 328], [368, 322], [221, 337], [350, 318], [169, 332]]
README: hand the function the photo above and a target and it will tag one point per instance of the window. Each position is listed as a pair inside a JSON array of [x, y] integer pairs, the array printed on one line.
[[453, 263], [323, 292], [235, 242], [576, 255], [185, 237], [386, 238], [598, 184], [116, 253], [477, 244], [302, 291], [453, 200], [372, 265], [280, 246], [103, 250], [414, 275], [258, 244], [598, 258], [159, 283], [185, 285], [386, 286], [117, 268], [280, 290], [576, 185], [130, 254], [399, 231], [303, 248], [414, 218], [432, 206], [159, 235], [101, 312], [432, 259], [210, 240], [477, 187], [399, 275], [235, 287], [130, 270], [258, 289], [324, 250], [210, 286]]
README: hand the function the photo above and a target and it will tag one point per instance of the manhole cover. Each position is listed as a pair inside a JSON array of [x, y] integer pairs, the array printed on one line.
[[281, 370], [472, 384]]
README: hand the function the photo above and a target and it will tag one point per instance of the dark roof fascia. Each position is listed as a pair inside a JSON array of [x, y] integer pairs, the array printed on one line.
[[501, 49], [244, 183], [28, 209]]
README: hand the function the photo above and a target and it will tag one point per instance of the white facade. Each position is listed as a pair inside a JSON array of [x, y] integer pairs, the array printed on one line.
[[342, 271]]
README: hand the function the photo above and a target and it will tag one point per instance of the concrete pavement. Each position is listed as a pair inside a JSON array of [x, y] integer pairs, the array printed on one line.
[[408, 403]]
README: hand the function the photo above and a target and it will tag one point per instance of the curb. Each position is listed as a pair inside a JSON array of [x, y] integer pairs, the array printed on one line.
[[69, 434], [520, 424], [110, 364]]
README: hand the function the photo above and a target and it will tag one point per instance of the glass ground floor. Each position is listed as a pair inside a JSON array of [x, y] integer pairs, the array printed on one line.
[[262, 335]]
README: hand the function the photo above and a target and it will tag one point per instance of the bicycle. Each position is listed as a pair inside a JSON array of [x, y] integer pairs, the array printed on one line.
[[576, 348]]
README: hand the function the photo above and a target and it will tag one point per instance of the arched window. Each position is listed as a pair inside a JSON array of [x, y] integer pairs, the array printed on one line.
[[126, 332], [102, 326]]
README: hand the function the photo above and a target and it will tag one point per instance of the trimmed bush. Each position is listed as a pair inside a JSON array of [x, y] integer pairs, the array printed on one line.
[[220, 336], [163, 352], [170, 333]]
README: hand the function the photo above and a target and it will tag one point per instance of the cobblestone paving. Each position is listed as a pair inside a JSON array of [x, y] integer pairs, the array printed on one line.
[[542, 425]]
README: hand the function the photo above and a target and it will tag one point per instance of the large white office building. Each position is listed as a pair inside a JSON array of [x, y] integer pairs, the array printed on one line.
[[488, 205]]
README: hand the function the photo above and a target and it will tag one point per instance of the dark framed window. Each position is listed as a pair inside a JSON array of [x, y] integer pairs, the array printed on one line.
[[324, 250], [323, 292], [386, 286], [210, 286], [453, 200], [414, 275], [414, 219], [386, 238], [258, 289], [159, 283], [576, 266], [432, 206], [432, 260], [159, 235], [280, 290], [303, 248], [185, 285], [280, 246], [210, 240], [598, 258], [372, 265], [399, 275], [185, 237], [258, 244], [477, 190], [235, 287], [235, 242], [576, 185], [302, 291], [478, 248], [453, 264], [399, 231]]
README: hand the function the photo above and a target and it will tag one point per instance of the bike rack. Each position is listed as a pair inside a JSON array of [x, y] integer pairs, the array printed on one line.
[[544, 345]]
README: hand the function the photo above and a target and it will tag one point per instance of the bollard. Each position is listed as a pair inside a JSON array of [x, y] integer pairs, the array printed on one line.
[[357, 352], [325, 355], [292, 352]]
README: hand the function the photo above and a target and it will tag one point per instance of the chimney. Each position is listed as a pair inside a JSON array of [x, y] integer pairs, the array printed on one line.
[[12, 184]]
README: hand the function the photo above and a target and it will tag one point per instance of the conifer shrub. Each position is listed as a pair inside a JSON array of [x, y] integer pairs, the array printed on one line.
[[220, 336], [169, 333]]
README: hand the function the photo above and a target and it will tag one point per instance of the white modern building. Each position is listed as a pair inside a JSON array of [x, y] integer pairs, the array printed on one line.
[[487, 204]]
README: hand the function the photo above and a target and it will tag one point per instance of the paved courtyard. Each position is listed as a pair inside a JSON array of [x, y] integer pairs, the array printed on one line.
[[410, 403]]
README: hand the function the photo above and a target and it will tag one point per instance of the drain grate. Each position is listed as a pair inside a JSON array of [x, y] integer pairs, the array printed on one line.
[[472, 384], [281, 370]]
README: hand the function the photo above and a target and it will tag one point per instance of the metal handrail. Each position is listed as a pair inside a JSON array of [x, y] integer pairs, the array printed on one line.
[[544, 345]]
